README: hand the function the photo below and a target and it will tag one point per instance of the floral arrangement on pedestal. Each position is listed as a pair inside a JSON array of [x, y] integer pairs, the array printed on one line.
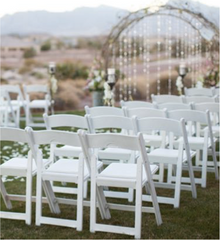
[[96, 78], [108, 95], [95, 82]]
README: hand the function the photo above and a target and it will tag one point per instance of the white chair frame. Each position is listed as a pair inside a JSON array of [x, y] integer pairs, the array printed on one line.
[[44, 104], [137, 104], [135, 143], [199, 118], [164, 98], [172, 128], [208, 92]]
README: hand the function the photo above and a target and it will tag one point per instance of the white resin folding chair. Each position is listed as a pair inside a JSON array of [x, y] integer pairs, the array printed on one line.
[[129, 175], [152, 138], [170, 156], [214, 110], [44, 104], [208, 92], [9, 114], [15, 89], [199, 99], [166, 98], [197, 142], [137, 104], [63, 170], [111, 155], [71, 122], [19, 167], [216, 91]]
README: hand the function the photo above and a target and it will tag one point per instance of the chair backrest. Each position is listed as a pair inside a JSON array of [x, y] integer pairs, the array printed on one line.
[[44, 137], [166, 98], [36, 88], [216, 91], [213, 108], [189, 115], [199, 99], [65, 120], [109, 121], [144, 112], [137, 104], [159, 124], [174, 106], [13, 135], [13, 89], [100, 111], [92, 142], [208, 92]]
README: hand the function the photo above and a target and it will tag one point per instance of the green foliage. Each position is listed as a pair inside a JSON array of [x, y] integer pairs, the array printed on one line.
[[69, 70], [46, 46], [29, 53]]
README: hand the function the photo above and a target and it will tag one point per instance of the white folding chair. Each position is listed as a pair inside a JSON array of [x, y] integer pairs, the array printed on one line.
[[15, 89], [197, 142], [71, 122], [132, 175], [111, 155], [152, 139], [166, 98], [216, 91], [21, 167], [44, 104], [199, 99], [137, 104], [208, 92], [63, 170], [9, 114], [170, 156], [214, 110]]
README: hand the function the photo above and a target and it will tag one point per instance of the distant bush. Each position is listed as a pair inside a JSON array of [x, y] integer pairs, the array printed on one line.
[[46, 46], [69, 70], [29, 53]]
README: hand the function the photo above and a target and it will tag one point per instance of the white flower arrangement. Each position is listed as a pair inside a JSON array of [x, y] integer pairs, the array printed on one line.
[[179, 85], [108, 95], [53, 82], [200, 82], [96, 80]]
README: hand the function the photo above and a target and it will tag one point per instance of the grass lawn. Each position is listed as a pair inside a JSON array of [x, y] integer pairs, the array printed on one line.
[[195, 219]]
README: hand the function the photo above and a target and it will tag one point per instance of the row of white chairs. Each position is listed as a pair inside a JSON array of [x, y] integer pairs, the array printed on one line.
[[135, 175], [209, 92], [158, 124], [10, 110]]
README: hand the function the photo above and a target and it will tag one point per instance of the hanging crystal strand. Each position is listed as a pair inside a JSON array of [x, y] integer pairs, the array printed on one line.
[[177, 40], [158, 52], [121, 68], [125, 68], [145, 53], [200, 51], [169, 55], [134, 62], [113, 62], [185, 44], [193, 57], [148, 59], [182, 53], [140, 41], [197, 54], [129, 65], [189, 55]]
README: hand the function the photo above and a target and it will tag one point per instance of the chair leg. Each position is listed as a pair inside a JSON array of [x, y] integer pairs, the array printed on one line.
[[215, 160], [28, 197], [178, 183], [85, 189], [204, 166], [5, 195], [191, 176], [79, 216], [138, 202], [130, 195]]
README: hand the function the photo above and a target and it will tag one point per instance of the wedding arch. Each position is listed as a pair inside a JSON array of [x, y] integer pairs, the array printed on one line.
[[158, 39]]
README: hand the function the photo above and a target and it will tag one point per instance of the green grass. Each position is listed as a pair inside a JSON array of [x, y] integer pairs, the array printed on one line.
[[195, 219]]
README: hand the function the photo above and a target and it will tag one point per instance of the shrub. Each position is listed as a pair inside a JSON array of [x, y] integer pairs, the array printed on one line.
[[46, 46], [69, 70], [29, 53]]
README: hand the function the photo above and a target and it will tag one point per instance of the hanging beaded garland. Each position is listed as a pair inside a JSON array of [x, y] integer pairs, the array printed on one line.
[[158, 52]]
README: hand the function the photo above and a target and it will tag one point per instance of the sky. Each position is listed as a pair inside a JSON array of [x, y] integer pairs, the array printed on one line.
[[12, 6]]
